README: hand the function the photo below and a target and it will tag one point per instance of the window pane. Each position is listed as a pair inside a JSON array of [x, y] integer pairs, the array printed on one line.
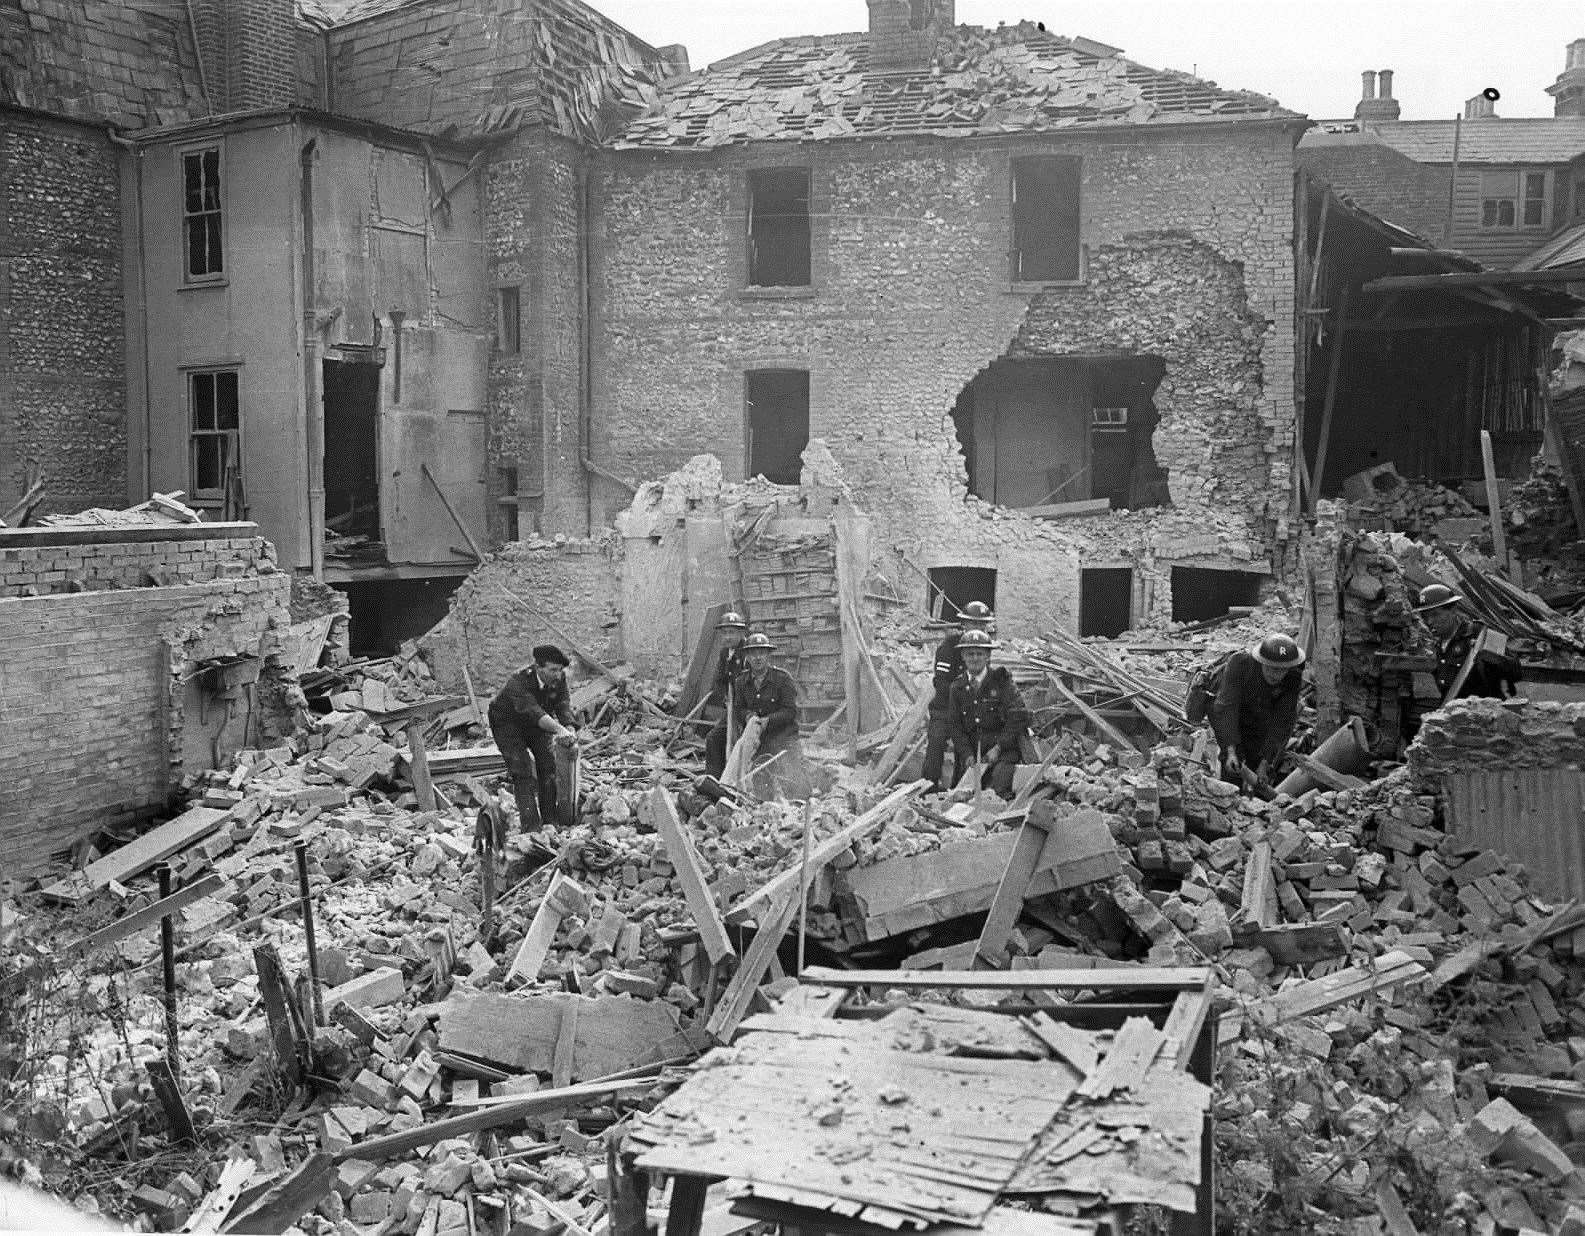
[[1533, 212], [212, 244], [1499, 184], [193, 182], [207, 469], [1488, 213], [226, 400], [1505, 213], [203, 400], [1535, 184], [197, 246], [211, 180]]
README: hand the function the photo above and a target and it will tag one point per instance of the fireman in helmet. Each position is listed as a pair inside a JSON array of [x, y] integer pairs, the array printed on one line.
[[1257, 706], [987, 715], [1493, 674], [974, 616]]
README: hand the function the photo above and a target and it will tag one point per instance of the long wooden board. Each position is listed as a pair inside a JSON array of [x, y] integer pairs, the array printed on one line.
[[771, 892], [659, 810], [1122, 978], [139, 854], [520, 1033]]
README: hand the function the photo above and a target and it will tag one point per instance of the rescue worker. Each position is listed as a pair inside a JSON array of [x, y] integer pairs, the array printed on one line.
[[1257, 706], [729, 661], [986, 714], [764, 698], [974, 616], [1493, 674], [530, 714]]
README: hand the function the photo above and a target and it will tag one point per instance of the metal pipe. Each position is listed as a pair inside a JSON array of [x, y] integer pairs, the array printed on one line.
[[306, 897], [168, 967], [313, 411]]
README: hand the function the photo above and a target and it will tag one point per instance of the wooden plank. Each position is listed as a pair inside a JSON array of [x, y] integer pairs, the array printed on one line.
[[1499, 534], [734, 1002], [521, 1034], [1329, 401], [1297, 944], [234, 1176], [659, 810], [1107, 730], [773, 890], [166, 1088], [991, 951], [1184, 1025], [1327, 776], [1075, 1046], [701, 666], [139, 854], [1319, 994], [1259, 904], [1133, 978], [687, 1205], [289, 1199], [418, 765], [565, 896], [566, 1045], [1066, 510], [901, 746], [1132, 1050]]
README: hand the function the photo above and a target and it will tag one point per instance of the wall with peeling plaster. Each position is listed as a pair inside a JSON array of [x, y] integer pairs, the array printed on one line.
[[1189, 238]]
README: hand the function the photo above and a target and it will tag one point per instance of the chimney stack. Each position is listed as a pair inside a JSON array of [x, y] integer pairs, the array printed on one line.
[[1479, 107], [1568, 92], [1374, 107], [903, 33], [249, 52]]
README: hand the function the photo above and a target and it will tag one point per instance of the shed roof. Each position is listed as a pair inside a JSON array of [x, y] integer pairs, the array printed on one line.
[[1011, 79], [1567, 248]]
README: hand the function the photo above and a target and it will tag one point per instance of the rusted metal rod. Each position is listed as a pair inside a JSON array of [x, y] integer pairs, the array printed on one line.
[[168, 965], [301, 849]]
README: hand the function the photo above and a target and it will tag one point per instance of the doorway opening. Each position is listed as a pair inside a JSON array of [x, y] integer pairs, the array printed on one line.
[[951, 588], [1040, 432], [352, 450], [1106, 601], [777, 423], [1199, 593]]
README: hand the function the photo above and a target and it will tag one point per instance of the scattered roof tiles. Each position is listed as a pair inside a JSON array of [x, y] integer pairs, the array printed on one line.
[[1492, 139], [1011, 79], [1567, 248]]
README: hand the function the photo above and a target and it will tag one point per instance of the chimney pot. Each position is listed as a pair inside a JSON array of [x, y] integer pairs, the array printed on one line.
[[1479, 107], [1568, 92], [1367, 84], [1385, 77]]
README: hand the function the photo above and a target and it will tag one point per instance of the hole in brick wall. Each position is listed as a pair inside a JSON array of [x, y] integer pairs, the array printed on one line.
[[1199, 593], [1106, 600], [952, 587], [777, 422], [1044, 431], [383, 613]]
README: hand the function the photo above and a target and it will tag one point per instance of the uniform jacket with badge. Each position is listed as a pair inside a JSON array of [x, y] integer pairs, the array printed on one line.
[[989, 713], [525, 699], [949, 665], [1493, 674], [774, 697], [728, 665]]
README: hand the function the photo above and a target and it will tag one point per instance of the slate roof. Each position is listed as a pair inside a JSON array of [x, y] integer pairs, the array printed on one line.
[[1540, 139], [1567, 248], [1011, 79], [127, 63]]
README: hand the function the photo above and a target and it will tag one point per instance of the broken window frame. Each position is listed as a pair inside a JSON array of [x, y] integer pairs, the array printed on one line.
[[226, 437], [1055, 222], [758, 274], [203, 216], [1514, 199]]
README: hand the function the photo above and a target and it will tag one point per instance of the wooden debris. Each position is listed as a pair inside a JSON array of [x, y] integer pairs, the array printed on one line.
[[660, 811], [140, 854], [565, 896]]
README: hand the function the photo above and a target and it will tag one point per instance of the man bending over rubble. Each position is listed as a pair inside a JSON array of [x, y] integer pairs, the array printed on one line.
[[1257, 706], [531, 713], [987, 716]]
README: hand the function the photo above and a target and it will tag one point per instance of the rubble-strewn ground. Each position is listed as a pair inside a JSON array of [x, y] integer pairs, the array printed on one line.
[[1466, 989]]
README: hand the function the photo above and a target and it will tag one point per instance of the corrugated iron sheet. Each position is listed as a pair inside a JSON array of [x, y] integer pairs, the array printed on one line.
[[1533, 816]]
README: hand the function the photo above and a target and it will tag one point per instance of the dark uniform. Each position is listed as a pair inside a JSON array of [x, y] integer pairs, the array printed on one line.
[[529, 751], [990, 713], [949, 665], [728, 665], [1253, 715], [1492, 674], [774, 697]]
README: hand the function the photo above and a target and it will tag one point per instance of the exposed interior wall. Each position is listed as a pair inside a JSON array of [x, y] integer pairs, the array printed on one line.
[[63, 372], [1189, 262], [112, 695]]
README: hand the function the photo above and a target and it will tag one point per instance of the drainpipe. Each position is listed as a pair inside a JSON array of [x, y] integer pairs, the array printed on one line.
[[586, 358], [136, 153], [314, 409], [1452, 183]]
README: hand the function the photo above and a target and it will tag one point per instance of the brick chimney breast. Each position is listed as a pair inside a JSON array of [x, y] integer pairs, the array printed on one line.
[[1375, 105], [903, 32], [1568, 92]]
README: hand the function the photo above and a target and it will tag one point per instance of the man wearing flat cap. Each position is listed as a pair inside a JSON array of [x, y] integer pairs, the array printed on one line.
[[530, 714]]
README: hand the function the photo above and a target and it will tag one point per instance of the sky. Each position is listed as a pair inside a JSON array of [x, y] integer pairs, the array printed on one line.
[[1308, 55]]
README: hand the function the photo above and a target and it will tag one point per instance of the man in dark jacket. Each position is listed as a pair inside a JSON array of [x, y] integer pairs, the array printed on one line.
[[1257, 706], [764, 699], [974, 616], [530, 713], [1492, 674], [987, 715], [729, 662]]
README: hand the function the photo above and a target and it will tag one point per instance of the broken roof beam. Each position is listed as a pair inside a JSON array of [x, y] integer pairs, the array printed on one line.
[[1473, 279]]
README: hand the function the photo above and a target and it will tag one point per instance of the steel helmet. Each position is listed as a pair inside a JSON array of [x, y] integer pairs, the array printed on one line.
[[976, 611], [1435, 596], [1279, 651], [976, 639], [758, 640], [732, 619]]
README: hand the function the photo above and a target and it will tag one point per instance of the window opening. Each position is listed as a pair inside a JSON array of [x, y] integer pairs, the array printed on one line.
[[1106, 601], [777, 422], [1046, 218], [215, 429], [201, 213], [352, 482], [1199, 593], [1513, 199], [509, 322], [952, 587], [778, 227]]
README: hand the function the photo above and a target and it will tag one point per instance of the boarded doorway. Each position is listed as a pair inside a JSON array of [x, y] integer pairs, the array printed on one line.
[[352, 476], [1106, 601]]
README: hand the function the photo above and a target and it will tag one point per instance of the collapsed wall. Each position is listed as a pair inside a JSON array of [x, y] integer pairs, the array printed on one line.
[[133, 657]]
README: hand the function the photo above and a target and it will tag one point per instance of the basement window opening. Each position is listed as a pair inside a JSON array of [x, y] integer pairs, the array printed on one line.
[[1106, 601], [1202, 593], [778, 228], [1046, 241], [952, 587], [1062, 436], [215, 436], [202, 214], [509, 322], [776, 423]]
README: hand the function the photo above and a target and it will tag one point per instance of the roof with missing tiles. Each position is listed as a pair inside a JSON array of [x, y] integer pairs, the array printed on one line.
[[1011, 79]]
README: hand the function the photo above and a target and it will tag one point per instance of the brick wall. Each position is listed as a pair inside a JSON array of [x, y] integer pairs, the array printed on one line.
[[1487, 735], [261, 61], [1189, 234], [578, 583], [91, 703], [41, 561], [1385, 182], [62, 321]]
